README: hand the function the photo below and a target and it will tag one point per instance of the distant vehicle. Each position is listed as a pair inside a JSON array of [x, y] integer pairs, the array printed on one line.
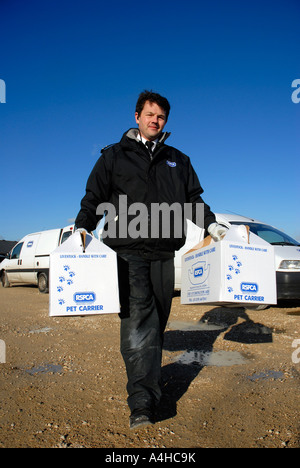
[[5, 247], [287, 252], [28, 261]]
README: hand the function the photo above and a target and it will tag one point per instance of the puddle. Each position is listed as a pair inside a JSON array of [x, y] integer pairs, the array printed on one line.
[[294, 312], [45, 369], [217, 358], [267, 375], [42, 330]]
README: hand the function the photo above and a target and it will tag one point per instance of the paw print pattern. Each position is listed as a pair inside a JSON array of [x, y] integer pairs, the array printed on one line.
[[233, 269]]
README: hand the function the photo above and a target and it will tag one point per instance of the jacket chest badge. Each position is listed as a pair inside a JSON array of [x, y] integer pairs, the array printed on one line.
[[171, 164]]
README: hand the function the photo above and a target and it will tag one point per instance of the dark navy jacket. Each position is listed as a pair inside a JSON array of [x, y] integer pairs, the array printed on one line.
[[126, 169]]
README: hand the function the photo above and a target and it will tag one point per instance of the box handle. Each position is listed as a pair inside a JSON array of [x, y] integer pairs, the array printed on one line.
[[83, 239], [204, 243], [248, 232]]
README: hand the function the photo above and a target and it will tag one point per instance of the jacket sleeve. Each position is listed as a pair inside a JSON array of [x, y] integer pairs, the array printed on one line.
[[98, 190], [194, 196]]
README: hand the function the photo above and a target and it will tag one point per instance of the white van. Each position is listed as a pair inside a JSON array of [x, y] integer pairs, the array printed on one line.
[[287, 252], [28, 262]]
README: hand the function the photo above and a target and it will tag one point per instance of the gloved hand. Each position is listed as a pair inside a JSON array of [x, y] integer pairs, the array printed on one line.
[[217, 231], [81, 230]]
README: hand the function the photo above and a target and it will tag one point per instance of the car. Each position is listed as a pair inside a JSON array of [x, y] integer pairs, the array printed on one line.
[[286, 249]]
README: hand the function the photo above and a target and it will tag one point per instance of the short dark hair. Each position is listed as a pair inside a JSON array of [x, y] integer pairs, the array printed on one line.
[[152, 97]]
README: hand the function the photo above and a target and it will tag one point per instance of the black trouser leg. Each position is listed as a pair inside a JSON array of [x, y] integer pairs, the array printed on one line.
[[146, 290]]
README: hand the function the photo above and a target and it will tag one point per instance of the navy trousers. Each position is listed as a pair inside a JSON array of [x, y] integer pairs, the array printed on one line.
[[146, 291]]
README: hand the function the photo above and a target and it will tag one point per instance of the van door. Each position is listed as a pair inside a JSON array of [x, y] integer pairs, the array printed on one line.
[[48, 242], [27, 256], [13, 264]]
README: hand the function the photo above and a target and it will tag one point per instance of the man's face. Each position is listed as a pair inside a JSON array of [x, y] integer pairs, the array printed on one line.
[[151, 120]]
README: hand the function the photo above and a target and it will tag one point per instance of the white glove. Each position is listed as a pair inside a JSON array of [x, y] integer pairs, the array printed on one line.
[[217, 231], [81, 230]]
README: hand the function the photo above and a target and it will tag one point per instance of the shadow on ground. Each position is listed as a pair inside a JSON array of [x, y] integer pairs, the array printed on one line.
[[199, 339]]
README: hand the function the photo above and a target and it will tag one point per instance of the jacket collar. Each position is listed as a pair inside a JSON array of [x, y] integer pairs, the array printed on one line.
[[133, 133]]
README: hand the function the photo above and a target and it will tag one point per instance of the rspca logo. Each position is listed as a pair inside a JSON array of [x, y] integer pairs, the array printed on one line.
[[249, 287], [198, 272], [84, 297], [171, 164]]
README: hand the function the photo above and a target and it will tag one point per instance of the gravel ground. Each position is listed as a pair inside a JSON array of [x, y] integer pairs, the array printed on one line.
[[230, 378]]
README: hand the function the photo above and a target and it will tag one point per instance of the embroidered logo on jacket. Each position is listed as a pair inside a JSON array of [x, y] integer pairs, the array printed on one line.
[[171, 164]]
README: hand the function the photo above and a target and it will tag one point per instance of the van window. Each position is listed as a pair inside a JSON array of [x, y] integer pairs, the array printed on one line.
[[16, 251], [270, 234], [65, 236]]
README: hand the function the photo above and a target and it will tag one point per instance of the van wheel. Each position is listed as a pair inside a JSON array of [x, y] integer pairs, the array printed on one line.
[[43, 283], [4, 280]]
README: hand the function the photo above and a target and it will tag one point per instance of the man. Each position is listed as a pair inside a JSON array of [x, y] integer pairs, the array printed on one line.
[[132, 171]]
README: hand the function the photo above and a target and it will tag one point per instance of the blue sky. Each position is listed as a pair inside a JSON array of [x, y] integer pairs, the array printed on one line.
[[73, 71]]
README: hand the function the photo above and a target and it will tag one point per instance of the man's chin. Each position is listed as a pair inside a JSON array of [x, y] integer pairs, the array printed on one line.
[[153, 135]]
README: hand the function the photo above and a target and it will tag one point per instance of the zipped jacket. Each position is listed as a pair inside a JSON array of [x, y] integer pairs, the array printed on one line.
[[143, 197]]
